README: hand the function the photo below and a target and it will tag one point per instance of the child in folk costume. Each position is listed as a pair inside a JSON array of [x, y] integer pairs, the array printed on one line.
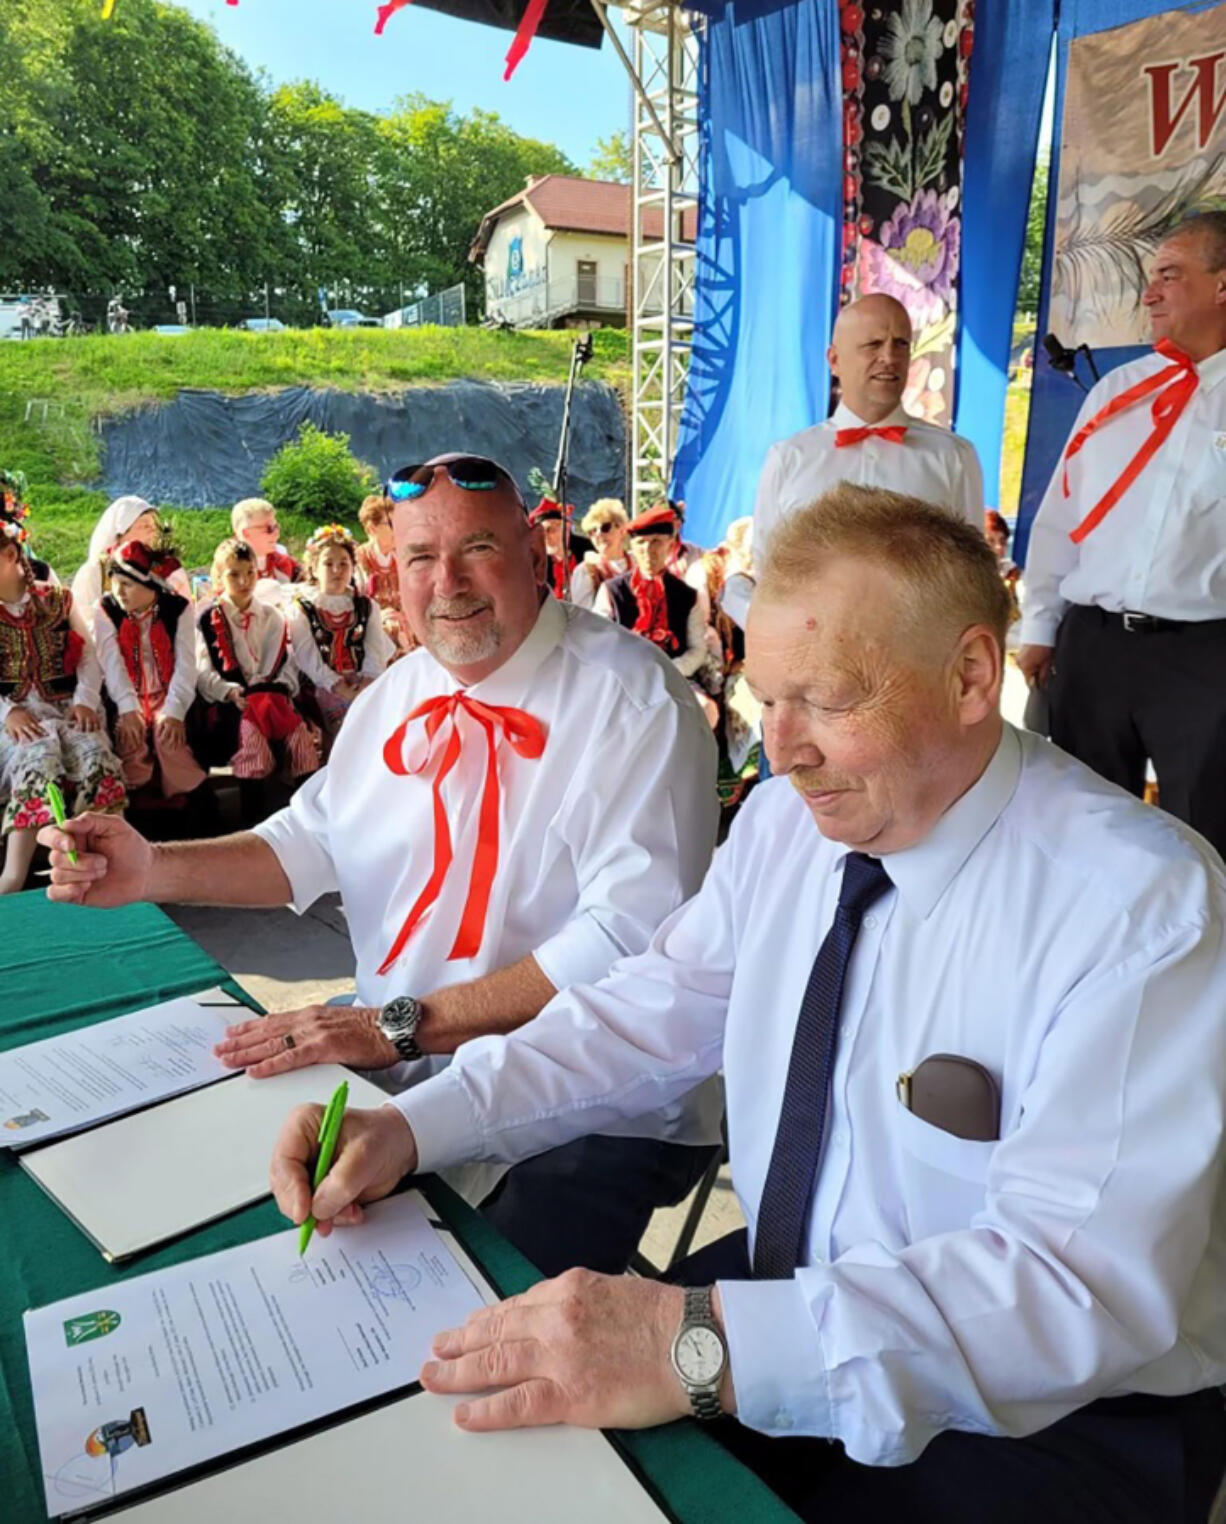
[[336, 634], [254, 521], [125, 520], [378, 575], [51, 727], [245, 672], [146, 641]]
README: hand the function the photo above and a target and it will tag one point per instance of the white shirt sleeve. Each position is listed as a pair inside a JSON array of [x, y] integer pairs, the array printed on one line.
[[298, 835], [306, 653], [182, 689], [1073, 1275], [211, 686], [379, 648], [604, 604], [637, 860], [1051, 555], [695, 652], [583, 588], [88, 694], [110, 660], [970, 501], [766, 504], [736, 597], [598, 1054]]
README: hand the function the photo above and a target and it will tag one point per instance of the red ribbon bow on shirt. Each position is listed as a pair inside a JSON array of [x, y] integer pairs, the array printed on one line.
[[527, 738], [894, 433], [1174, 385]]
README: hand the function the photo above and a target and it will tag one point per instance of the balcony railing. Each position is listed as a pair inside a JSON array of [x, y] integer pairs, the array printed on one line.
[[543, 304]]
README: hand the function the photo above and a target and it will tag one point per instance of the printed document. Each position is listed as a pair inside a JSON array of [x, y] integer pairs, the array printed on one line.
[[63, 1084], [146, 1377]]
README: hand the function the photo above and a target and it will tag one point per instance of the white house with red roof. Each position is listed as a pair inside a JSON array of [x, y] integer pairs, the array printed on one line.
[[557, 255]]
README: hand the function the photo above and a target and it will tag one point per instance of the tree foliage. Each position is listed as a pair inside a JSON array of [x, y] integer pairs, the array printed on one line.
[[139, 153], [1030, 281], [613, 159], [317, 474]]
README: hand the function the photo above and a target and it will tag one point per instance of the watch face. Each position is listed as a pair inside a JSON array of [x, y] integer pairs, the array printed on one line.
[[699, 1355], [400, 1015]]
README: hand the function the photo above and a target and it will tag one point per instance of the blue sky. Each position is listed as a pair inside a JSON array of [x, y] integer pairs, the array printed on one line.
[[567, 95]]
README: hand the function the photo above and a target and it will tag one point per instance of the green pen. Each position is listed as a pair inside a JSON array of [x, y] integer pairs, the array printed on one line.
[[56, 800], [329, 1131]]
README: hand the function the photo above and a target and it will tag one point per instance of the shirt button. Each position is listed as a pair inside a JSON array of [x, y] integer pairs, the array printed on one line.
[[782, 1420], [870, 921]]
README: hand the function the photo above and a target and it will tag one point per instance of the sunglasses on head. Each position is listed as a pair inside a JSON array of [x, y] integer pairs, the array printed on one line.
[[472, 473]]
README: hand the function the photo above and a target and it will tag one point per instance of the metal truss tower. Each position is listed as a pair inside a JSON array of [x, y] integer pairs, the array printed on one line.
[[663, 69]]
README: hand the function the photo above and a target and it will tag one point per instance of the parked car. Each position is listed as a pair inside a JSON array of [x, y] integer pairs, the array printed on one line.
[[350, 317], [171, 330], [263, 325]]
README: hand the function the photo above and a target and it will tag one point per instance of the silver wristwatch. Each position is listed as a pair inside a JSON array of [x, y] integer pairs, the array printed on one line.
[[699, 1353], [398, 1021]]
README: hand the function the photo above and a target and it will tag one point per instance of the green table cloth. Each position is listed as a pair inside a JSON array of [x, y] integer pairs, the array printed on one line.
[[63, 967]]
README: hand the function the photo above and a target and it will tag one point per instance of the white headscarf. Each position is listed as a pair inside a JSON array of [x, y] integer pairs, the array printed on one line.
[[115, 523]]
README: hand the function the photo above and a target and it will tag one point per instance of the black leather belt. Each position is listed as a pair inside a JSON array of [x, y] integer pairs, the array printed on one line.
[[1142, 624]]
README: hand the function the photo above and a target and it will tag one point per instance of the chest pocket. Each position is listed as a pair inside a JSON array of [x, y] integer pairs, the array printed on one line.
[[944, 1178]]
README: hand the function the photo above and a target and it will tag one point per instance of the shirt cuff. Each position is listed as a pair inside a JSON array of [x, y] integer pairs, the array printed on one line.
[[581, 953], [1039, 629], [445, 1126], [131, 706], [774, 1354], [304, 860]]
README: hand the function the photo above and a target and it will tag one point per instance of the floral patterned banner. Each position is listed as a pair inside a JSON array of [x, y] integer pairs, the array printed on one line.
[[905, 80]]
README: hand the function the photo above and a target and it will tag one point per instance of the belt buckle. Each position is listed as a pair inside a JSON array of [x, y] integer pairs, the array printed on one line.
[[1135, 624]]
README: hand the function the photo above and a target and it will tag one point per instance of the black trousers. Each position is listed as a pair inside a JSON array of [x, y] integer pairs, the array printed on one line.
[[1120, 698], [1123, 1460], [588, 1203]]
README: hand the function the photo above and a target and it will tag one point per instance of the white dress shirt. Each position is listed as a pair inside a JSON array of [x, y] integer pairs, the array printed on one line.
[[1162, 549], [378, 650], [88, 691], [1050, 927], [930, 463], [182, 687], [259, 636], [602, 836]]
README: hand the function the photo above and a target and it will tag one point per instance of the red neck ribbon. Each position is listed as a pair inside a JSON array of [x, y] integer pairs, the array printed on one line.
[[526, 737], [340, 658], [893, 433], [1175, 385], [652, 620]]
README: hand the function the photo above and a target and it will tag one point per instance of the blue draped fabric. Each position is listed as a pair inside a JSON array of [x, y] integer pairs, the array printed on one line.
[[1008, 75], [1055, 399], [768, 247]]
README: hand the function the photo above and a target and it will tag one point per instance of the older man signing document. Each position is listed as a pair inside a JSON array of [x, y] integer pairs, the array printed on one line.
[[998, 1283]]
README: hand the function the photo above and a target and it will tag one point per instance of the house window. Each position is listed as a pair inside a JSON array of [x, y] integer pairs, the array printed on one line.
[[587, 282]]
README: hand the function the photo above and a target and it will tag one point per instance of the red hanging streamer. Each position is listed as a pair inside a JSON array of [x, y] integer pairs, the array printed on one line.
[[522, 41], [526, 737]]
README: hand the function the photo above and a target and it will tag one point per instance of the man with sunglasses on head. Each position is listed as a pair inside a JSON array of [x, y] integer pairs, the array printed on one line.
[[463, 818]]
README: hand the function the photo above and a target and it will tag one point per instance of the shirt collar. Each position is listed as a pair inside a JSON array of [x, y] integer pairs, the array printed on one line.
[[844, 418], [1212, 370], [922, 873], [508, 683]]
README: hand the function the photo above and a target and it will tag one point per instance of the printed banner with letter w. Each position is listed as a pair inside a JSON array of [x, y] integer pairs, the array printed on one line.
[[1144, 142], [1140, 143]]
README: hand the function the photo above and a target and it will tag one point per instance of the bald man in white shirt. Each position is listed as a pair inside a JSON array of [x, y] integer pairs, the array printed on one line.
[[870, 439], [968, 1002], [464, 818], [1125, 601]]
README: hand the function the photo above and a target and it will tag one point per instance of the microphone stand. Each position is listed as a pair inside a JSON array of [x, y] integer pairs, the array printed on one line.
[[580, 355]]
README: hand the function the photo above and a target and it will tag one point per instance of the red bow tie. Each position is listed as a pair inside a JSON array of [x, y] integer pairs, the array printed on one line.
[[895, 433], [1175, 385], [527, 738]]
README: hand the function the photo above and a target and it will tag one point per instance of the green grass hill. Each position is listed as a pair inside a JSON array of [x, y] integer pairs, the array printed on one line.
[[53, 392]]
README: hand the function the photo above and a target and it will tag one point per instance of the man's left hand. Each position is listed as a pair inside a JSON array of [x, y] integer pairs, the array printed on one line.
[[583, 1349], [318, 1034], [84, 718], [172, 733]]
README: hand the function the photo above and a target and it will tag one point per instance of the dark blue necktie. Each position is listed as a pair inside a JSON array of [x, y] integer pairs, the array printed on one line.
[[779, 1243]]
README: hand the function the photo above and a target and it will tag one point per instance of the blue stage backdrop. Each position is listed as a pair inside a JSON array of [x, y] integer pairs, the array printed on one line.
[[1145, 100], [768, 248]]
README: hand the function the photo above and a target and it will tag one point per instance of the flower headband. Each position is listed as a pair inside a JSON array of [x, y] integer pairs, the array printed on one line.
[[332, 534]]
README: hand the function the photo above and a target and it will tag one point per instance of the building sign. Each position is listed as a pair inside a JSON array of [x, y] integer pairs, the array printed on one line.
[[1144, 143]]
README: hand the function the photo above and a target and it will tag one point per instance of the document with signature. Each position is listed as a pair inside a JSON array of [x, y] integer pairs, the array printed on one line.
[[63, 1084], [150, 1376]]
